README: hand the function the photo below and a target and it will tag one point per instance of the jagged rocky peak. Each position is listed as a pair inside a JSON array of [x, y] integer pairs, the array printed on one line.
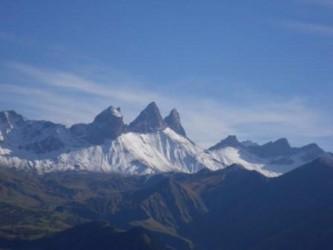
[[173, 121], [282, 142], [8, 121], [311, 151], [230, 141], [313, 147], [148, 121], [109, 115], [10, 118], [108, 124], [274, 148]]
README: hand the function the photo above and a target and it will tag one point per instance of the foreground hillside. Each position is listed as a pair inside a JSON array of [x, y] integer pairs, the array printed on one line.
[[89, 236], [231, 208]]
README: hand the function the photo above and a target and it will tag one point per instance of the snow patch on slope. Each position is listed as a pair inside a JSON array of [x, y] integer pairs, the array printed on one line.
[[130, 153], [135, 153], [231, 155]]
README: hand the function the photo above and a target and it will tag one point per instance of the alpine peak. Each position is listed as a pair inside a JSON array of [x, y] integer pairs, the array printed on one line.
[[230, 141], [107, 125], [282, 142], [8, 121], [148, 121], [173, 122], [109, 113], [10, 117]]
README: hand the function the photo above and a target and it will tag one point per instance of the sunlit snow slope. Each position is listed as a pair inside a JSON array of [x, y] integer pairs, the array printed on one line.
[[148, 145]]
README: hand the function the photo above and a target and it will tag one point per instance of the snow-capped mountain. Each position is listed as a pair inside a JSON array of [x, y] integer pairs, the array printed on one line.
[[270, 158], [149, 144]]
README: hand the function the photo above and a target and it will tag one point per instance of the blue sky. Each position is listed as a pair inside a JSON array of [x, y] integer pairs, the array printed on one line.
[[259, 69]]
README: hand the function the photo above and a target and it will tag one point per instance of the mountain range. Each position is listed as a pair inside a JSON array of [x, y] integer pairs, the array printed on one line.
[[147, 185], [232, 209], [150, 144]]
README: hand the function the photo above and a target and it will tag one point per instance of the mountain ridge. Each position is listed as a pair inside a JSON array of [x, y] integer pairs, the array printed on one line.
[[231, 208], [149, 144]]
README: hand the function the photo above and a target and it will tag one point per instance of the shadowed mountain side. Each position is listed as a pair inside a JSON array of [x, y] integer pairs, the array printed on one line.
[[89, 236], [249, 212], [227, 209]]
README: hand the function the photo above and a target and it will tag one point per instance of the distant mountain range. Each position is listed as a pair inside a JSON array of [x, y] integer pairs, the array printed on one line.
[[150, 144]]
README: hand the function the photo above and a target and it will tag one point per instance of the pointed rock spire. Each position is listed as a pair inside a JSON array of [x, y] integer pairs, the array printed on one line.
[[230, 141], [280, 146], [274, 148], [8, 121], [148, 121], [108, 115], [313, 148], [10, 118], [282, 142], [108, 124], [173, 122]]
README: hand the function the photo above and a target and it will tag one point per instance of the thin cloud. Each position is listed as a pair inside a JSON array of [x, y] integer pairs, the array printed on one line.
[[310, 28], [326, 3], [292, 118], [73, 81], [50, 105], [206, 120]]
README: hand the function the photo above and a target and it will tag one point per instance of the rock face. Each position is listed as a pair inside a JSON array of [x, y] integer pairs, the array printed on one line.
[[148, 121], [273, 149], [173, 122], [9, 120], [107, 125], [230, 141]]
